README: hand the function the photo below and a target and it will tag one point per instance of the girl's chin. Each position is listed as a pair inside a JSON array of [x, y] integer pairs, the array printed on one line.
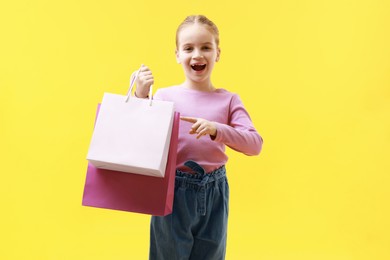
[[198, 76]]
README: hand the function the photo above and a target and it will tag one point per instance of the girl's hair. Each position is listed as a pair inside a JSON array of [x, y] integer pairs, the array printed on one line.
[[200, 19]]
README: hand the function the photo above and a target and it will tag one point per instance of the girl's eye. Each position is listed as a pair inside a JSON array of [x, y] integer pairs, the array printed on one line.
[[206, 48], [187, 49]]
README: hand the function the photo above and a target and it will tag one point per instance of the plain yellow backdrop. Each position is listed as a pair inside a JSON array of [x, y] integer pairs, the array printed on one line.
[[314, 75]]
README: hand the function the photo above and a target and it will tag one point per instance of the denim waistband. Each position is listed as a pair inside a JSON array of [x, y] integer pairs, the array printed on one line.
[[200, 179]]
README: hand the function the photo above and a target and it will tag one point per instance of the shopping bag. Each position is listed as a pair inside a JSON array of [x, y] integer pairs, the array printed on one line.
[[134, 192], [132, 134]]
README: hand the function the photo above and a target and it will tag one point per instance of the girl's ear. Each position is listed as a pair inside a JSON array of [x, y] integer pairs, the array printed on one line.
[[177, 56], [218, 54]]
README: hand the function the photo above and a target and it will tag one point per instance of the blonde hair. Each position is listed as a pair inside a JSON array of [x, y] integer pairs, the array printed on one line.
[[200, 19]]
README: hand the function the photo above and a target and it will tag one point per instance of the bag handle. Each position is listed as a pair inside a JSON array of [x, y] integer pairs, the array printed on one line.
[[133, 77]]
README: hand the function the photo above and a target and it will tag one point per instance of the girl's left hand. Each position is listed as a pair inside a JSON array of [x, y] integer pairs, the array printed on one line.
[[201, 126]]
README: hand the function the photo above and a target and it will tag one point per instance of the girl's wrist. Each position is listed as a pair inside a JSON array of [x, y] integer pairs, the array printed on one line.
[[140, 96]]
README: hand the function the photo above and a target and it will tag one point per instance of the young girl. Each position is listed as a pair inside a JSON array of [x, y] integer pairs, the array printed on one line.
[[211, 118]]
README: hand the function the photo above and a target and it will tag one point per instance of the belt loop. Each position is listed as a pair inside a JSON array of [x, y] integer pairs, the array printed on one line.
[[202, 193], [216, 181]]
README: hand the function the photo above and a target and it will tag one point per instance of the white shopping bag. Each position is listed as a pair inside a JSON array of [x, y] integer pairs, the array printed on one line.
[[132, 134]]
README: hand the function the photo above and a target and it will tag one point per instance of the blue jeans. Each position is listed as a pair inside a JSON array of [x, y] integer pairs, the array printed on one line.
[[197, 227]]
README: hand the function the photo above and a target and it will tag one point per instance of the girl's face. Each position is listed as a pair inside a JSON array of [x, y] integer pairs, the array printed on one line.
[[197, 52]]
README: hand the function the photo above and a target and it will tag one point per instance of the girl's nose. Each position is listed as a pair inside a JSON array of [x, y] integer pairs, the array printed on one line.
[[198, 55]]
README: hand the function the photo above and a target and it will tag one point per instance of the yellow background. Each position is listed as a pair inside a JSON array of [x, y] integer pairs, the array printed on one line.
[[314, 76]]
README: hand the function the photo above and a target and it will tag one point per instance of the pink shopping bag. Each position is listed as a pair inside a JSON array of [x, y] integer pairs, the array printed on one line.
[[134, 192]]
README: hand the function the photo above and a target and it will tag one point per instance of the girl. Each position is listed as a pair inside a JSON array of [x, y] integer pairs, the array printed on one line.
[[211, 118]]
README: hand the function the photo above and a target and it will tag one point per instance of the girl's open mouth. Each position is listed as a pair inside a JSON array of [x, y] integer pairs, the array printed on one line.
[[198, 67]]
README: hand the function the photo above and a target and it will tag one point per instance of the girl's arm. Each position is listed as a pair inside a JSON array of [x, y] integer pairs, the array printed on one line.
[[239, 134]]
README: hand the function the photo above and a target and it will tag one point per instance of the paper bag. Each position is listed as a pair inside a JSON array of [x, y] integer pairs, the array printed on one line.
[[134, 192], [132, 135]]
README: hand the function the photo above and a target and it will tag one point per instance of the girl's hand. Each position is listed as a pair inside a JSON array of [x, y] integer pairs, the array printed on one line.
[[144, 81], [201, 126]]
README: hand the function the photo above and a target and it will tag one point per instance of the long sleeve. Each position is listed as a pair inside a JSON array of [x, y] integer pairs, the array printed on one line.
[[239, 134]]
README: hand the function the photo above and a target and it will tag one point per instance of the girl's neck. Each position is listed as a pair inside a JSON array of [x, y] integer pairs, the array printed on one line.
[[201, 86]]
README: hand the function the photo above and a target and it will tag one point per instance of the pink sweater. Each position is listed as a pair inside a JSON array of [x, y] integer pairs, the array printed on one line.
[[234, 126]]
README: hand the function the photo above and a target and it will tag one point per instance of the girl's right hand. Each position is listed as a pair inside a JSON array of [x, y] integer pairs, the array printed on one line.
[[143, 81]]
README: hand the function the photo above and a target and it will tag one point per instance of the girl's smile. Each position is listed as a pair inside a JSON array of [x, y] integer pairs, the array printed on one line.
[[198, 67]]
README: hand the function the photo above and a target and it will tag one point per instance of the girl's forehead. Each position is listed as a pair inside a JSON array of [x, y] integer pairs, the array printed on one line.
[[195, 34]]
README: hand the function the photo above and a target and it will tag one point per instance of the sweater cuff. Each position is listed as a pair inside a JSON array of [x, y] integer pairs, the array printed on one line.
[[219, 135]]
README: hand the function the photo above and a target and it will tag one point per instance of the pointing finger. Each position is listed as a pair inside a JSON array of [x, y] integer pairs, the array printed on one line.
[[189, 119]]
